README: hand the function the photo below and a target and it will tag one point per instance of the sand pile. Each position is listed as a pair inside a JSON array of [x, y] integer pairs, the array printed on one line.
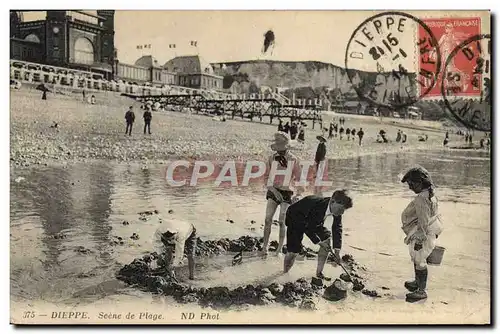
[[302, 293]]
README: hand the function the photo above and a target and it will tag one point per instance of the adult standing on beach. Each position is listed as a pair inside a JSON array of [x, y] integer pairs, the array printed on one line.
[[147, 119], [320, 151], [280, 194], [286, 127], [293, 130], [360, 135], [330, 131], [422, 226], [129, 118], [280, 125], [308, 216]]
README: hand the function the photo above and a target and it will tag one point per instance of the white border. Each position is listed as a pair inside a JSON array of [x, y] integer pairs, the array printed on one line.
[[189, 4]]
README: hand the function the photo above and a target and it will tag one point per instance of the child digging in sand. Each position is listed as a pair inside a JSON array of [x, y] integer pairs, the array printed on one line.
[[175, 237], [308, 216]]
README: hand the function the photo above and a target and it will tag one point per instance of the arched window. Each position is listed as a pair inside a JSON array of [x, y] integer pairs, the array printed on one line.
[[32, 38], [84, 51]]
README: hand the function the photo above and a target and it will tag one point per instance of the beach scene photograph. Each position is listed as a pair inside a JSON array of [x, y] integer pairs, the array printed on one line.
[[250, 167]]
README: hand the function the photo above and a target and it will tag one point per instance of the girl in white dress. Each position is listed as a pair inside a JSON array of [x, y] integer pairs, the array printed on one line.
[[422, 226]]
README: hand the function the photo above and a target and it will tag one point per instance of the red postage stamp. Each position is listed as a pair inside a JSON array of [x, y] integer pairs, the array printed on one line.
[[449, 33]]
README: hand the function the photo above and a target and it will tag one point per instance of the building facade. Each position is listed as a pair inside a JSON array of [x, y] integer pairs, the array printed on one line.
[[194, 72], [64, 38], [83, 41]]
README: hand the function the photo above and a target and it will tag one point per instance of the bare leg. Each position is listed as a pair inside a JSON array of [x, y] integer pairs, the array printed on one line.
[[289, 261], [322, 257], [191, 266], [268, 222], [282, 235]]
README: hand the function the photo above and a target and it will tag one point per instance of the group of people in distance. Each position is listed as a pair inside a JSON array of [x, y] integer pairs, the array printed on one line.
[[312, 216], [130, 119], [337, 130]]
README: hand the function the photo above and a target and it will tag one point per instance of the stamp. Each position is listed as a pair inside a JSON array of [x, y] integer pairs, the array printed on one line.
[[449, 32], [466, 87], [385, 48]]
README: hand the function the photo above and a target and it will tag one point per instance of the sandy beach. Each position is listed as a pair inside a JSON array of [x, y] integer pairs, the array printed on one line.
[[105, 165], [88, 132]]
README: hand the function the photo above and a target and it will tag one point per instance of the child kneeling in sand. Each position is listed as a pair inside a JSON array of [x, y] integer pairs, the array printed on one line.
[[308, 216], [175, 237]]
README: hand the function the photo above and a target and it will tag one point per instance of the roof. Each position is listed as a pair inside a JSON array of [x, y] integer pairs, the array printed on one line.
[[188, 64], [147, 61]]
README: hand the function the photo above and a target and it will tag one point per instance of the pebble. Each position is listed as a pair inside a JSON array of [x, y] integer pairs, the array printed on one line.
[[170, 211], [371, 293], [125, 222]]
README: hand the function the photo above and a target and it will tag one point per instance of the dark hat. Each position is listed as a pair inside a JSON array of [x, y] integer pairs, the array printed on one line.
[[321, 138], [417, 173]]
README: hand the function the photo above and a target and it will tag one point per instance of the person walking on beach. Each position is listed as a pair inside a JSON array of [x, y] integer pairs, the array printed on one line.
[[320, 151], [330, 131], [129, 118], [308, 216], [177, 237], [422, 225], [280, 194], [360, 135], [280, 125], [301, 138], [348, 134], [286, 127], [147, 119], [353, 133], [341, 132], [293, 131]]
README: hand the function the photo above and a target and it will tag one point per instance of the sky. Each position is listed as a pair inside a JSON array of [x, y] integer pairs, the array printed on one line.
[[225, 36]]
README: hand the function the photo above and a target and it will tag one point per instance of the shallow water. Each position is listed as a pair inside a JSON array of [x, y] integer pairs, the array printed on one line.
[[89, 202]]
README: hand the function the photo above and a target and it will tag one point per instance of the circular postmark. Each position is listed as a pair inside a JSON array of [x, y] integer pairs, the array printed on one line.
[[387, 64], [466, 84]]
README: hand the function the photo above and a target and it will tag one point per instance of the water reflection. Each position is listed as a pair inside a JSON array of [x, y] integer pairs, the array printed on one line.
[[50, 199]]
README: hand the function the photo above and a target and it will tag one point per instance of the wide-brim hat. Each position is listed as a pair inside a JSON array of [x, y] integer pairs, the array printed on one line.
[[321, 138], [417, 173], [281, 141]]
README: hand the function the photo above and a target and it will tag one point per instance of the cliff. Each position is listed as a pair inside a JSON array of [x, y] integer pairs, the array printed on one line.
[[307, 79], [318, 80]]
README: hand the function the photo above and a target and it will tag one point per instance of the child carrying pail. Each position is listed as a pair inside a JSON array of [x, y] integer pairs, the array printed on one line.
[[422, 226]]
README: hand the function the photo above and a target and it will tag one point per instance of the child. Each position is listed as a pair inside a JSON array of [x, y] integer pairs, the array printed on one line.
[[175, 237], [308, 217]]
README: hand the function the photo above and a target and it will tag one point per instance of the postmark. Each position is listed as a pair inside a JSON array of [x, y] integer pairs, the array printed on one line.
[[466, 90], [385, 48], [449, 32]]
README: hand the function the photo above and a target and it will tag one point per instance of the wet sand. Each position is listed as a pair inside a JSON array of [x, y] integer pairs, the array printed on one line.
[[458, 289]]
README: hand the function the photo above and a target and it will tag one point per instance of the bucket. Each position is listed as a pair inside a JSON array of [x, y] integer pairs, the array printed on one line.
[[436, 256]]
